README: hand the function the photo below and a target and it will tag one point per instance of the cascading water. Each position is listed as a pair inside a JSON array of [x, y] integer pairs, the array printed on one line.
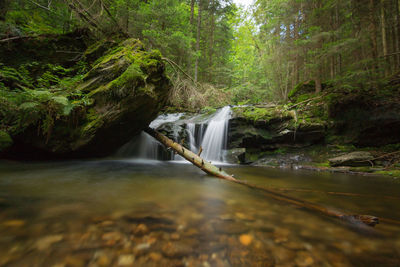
[[210, 134], [146, 147], [215, 137], [191, 132]]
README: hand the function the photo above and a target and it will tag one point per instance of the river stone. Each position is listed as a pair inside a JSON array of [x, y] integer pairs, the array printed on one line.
[[177, 249], [230, 228], [236, 155], [126, 260], [45, 242], [353, 159], [304, 258]]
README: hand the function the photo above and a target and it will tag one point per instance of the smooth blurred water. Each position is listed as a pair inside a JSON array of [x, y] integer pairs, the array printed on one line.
[[66, 199], [216, 135]]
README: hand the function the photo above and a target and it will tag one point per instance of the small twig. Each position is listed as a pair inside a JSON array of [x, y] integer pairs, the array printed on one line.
[[69, 52], [15, 38], [308, 100], [176, 65]]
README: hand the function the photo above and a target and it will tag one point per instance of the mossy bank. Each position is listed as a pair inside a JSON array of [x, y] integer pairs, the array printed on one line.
[[312, 128], [87, 105]]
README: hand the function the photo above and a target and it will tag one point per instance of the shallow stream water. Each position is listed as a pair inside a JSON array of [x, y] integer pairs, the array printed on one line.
[[152, 213]]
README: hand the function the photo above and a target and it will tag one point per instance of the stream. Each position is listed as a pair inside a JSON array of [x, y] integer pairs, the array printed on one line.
[[153, 213], [147, 207]]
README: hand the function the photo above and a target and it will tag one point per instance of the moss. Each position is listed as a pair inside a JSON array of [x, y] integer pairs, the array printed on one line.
[[281, 150], [302, 88], [90, 127], [394, 173], [208, 110], [322, 164], [124, 90], [345, 148], [5, 140], [131, 75], [126, 49], [262, 113], [304, 97]]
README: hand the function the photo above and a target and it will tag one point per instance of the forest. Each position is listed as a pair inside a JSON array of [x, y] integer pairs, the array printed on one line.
[[117, 115], [242, 55]]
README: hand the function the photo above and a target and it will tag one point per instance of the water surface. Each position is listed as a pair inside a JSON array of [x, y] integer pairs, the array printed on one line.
[[152, 213]]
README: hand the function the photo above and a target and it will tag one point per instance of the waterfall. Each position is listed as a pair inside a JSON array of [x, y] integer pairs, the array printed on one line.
[[191, 132], [146, 147], [210, 133], [215, 137]]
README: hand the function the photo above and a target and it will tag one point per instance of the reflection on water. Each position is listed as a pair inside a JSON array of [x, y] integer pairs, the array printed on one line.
[[150, 213]]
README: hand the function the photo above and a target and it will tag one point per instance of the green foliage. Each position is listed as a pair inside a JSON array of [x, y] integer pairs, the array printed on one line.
[[37, 94]]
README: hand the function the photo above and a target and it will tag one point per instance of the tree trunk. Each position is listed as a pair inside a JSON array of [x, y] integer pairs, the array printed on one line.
[[372, 28], [191, 11], [195, 159], [396, 29], [207, 167], [318, 85], [384, 38], [4, 4], [211, 46], [196, 63]]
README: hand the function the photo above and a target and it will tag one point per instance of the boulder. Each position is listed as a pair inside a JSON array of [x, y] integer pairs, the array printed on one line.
[[236, 155], [353, 159], [119, 96], [271, 128]]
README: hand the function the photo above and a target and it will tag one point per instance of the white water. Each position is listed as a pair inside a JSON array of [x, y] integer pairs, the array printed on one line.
[[146, 147], [211, 135], [215, 137]]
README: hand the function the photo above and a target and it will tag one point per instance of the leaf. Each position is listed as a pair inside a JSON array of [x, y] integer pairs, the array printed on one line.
[[28, 105]]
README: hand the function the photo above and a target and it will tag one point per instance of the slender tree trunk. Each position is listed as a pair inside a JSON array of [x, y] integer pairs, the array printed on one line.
[[373, 30], [191, 21], [127, 17], [296, 58], [4, 5], [211, 46], [196, 64], [384, 38], [318, 85], [396, 29], [338, 23], [191, 11]]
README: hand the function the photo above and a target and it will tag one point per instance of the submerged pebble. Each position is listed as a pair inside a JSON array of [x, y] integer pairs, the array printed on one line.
[[246, 239], [126, 260]]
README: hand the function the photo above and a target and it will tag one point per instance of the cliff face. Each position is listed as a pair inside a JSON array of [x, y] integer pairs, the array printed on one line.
[[89, 109]]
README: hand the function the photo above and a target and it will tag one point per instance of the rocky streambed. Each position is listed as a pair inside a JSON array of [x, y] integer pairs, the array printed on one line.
[[146, 213]]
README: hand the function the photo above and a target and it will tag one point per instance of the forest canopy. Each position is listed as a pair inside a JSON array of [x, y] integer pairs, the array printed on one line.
[[221, 53]]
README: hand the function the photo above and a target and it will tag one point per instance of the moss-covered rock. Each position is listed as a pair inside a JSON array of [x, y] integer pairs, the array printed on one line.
[[272, 127], [305, 90], [353, 159], [86, 115]]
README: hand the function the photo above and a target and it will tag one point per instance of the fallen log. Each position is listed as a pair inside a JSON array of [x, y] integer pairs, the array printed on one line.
[[190, 156], [219, 173], [347, 194]]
